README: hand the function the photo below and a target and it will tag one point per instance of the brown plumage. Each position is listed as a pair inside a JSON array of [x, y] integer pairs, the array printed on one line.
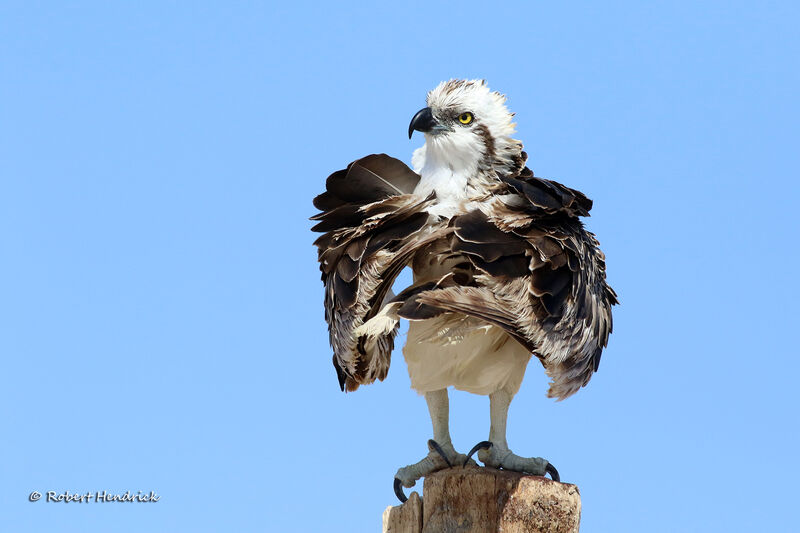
[[369, 217], [527, 265], [513, 255]]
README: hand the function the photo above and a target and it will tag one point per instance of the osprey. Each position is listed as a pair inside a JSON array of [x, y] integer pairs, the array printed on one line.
[[503, 270]]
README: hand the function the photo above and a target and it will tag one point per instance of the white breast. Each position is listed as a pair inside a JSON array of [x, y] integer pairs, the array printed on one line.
[[448, 178], [451, 191]]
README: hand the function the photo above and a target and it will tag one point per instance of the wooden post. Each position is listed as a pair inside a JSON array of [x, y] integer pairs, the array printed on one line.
[[485, 500]]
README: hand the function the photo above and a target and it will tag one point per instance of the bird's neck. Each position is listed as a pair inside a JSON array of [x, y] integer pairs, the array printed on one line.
[[460, 174]]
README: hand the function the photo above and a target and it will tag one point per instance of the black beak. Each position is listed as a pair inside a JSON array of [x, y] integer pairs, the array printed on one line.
[[423, 121]]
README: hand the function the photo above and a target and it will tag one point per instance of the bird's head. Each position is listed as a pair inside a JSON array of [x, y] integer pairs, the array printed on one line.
[[467, 127]]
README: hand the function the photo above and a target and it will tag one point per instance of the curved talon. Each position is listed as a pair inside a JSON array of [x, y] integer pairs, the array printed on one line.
[[398, 491], [434, 446], [550, 469], [482, 445]]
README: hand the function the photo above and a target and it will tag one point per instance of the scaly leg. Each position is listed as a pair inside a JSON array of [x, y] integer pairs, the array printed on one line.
[[441, 455], [495, 451]]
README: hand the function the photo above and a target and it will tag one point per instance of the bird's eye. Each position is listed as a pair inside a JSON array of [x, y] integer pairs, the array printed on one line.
[[465, 118]]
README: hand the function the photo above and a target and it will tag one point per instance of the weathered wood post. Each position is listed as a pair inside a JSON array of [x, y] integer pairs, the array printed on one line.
[[485, 500]]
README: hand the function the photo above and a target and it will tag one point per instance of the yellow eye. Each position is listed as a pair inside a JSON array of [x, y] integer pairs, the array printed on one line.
[[465, 118]]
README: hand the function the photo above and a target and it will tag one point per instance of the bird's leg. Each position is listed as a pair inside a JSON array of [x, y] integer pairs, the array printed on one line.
[[498, 455], [442, 454]]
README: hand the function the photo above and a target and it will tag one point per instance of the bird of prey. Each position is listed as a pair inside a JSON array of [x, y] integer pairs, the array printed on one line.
[[503, 270]]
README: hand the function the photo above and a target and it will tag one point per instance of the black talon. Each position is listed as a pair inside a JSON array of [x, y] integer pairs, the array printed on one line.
[[432, 444], [398, 491], [398, 485], [550, 469], [482, 445]]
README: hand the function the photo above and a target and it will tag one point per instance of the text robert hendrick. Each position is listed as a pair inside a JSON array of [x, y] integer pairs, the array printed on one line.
[[101, 496]]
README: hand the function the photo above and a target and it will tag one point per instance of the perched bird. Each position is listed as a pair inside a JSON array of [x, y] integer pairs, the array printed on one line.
[[503, 269]]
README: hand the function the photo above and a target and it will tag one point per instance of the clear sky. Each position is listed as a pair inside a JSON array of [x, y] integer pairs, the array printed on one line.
[[161, 323]]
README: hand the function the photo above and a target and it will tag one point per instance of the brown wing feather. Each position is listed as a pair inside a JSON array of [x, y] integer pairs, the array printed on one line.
[[542, 280], [371, 228], [547, 197]]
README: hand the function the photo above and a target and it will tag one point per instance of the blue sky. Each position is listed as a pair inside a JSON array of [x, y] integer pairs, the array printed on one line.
[[161, 321]]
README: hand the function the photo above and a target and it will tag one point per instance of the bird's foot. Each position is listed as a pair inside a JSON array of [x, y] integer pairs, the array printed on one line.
[[499, 456], [441, 456]]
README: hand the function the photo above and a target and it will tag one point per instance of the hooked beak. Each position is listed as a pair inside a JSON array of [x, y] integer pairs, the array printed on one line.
[[423, 121]]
